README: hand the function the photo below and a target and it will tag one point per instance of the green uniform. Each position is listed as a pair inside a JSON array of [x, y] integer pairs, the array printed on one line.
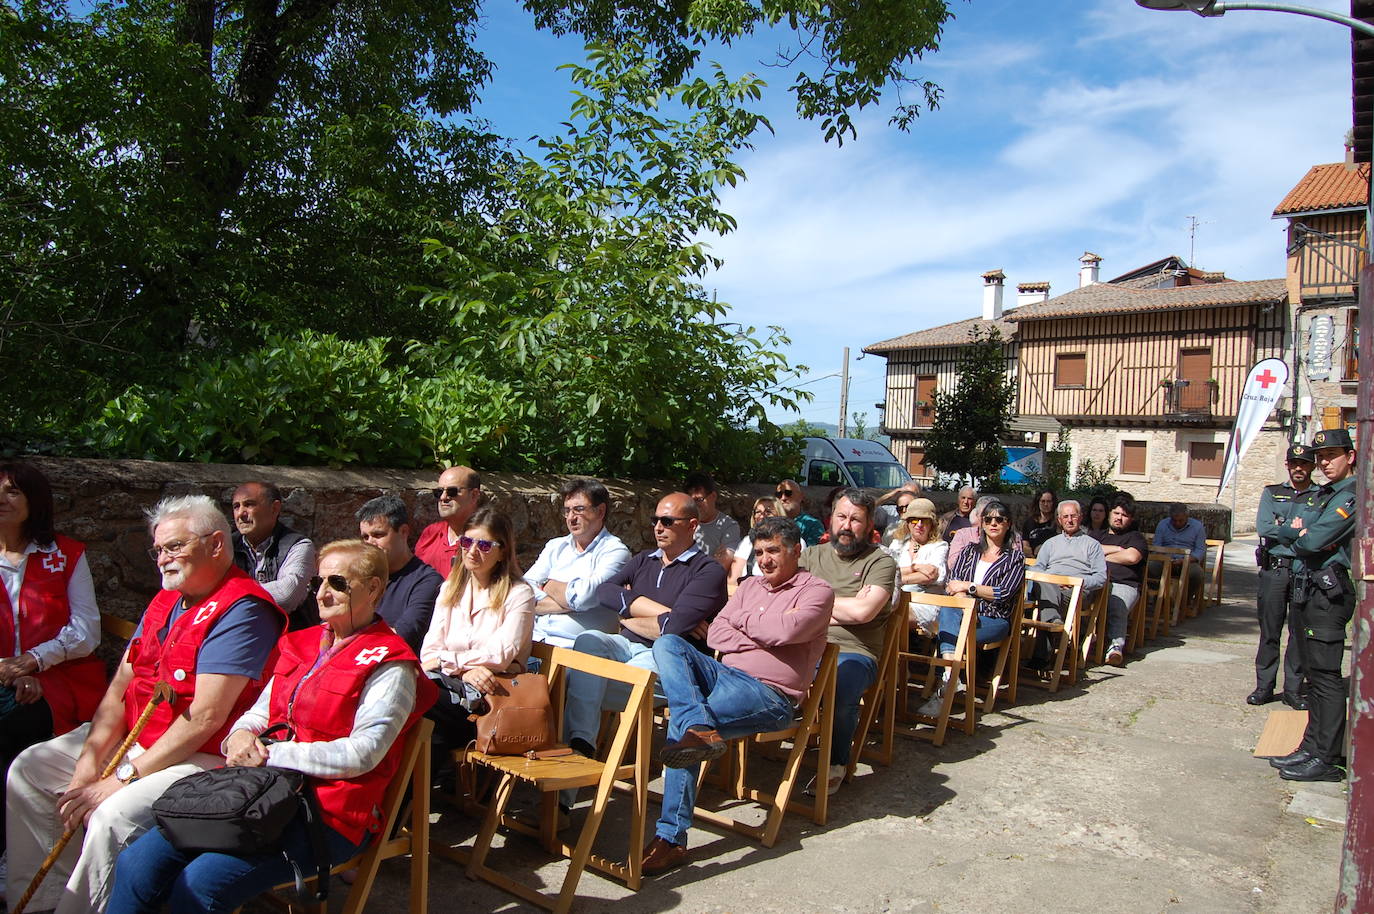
[[1324, 600], [1278, 504]]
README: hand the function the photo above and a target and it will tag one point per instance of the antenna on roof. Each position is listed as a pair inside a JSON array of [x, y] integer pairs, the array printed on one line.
[[1193, 223]]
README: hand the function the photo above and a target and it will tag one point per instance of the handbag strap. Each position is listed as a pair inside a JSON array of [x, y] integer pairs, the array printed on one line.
[[314, 827]]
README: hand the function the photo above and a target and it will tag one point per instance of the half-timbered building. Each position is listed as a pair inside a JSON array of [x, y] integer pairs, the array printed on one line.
[[1326, 214]]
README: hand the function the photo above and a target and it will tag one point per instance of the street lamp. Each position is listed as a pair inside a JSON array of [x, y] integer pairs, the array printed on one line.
[[1356, 892]]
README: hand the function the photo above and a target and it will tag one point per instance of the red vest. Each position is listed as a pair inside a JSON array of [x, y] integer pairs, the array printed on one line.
[[325, 705], [174, 660], [74, 688]]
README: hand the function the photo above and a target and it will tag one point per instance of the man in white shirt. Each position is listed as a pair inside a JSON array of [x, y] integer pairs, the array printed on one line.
[[570, 568]]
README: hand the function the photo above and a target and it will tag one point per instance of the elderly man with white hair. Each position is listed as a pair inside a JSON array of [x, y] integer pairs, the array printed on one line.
[[208, 634], [961, 518], [1072, 552]]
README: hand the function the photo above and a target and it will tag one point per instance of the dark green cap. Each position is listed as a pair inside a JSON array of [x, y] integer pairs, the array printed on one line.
[[1332, 437], [1301, 452]]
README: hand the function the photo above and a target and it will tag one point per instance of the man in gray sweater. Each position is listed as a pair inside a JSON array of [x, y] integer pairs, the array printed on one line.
[[1071, 552]]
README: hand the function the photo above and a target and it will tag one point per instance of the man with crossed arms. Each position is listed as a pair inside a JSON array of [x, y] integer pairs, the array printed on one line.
[[770, 636]]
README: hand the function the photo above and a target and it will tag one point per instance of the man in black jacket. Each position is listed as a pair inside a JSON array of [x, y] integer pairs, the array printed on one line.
[[277, 557]]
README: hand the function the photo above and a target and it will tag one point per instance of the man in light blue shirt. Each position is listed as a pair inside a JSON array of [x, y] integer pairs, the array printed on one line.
[[1180, 530], [570, 568]]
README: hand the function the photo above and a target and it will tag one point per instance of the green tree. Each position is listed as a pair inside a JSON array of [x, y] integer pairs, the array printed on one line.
[[187, 182], [973, 417]]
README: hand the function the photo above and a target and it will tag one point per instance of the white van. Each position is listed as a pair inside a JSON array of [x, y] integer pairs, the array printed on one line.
[[851, 462]]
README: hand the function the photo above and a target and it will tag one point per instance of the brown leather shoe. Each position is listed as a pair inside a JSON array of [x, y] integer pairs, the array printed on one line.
[[661, 856], [696, 746]]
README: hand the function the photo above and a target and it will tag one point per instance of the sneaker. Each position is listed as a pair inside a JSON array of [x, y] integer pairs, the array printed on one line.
[[834, 778], [932, 706], [1115, 657]]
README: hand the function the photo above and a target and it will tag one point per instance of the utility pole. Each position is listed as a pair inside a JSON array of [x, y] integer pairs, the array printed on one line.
[[844, 396]]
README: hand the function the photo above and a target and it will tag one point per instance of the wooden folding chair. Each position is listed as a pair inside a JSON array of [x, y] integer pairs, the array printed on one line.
[[1166, 608], [1093, 643], [1006, 659], [881, 696], [550, 775], [962, 662], [1064, 666], [398, 836], [1217, 569], [815, 718]]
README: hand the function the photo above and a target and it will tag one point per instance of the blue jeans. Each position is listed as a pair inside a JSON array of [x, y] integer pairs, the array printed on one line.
[[151, 872], [987, 628], [705, 692], [854, 673]]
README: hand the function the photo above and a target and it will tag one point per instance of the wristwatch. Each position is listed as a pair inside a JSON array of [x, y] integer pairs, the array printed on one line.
[[126, 773], [973, 590]]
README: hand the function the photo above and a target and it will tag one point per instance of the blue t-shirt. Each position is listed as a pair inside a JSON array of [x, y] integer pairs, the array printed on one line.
[[240, 641]]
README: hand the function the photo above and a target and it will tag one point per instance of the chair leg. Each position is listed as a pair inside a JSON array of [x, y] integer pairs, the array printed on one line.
[[477, 861]]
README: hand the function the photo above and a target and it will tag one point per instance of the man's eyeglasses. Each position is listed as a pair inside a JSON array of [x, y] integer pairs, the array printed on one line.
[[666, 520], [994, 519], [449, 492], [579, 510], [785, 493], [483, 546], [337, 583], [173, 549]]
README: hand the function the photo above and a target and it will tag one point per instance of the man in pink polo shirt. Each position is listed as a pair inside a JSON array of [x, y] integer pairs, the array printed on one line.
[[770, 635]]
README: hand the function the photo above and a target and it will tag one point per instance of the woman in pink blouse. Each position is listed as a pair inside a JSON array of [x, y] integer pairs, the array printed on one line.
[[481, 626]]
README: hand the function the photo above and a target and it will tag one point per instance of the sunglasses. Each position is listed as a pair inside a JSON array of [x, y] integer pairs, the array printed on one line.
[[918, 520], [994, 519], [337, 583], [449, 492], [483, 546], [785, 493], [666, 521]]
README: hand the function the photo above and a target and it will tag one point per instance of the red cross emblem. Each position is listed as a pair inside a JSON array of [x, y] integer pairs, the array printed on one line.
[[1265, 378], [371, 655], [205, 612], [54, 562]]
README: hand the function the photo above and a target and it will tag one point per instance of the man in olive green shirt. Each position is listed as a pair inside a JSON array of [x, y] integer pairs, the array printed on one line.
[[862, 576], [1324, 601]]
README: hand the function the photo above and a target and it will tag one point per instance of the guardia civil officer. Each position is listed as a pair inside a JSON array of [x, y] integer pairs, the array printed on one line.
[[1275, 556], [1323, 597]]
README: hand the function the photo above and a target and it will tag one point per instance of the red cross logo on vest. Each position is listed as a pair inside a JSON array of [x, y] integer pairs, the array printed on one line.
[[54, 561], [1265, 378], [205, 612], [371, 655]]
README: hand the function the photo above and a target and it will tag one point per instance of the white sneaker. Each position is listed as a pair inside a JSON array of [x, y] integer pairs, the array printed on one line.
[[834, 778], [933, 705]]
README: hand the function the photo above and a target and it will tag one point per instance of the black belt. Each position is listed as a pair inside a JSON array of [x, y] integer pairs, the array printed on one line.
[[1276, 562]]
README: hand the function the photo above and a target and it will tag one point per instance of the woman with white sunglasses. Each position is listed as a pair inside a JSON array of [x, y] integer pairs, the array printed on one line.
[[482, 625]]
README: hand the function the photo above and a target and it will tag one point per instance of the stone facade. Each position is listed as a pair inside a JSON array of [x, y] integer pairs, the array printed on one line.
[[1326, 402], [1166, 478]]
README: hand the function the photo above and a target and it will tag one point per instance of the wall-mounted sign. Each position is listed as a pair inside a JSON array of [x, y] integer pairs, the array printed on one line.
[[1321, 336]]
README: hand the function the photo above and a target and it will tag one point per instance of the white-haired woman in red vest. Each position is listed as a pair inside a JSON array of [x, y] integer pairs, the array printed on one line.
[[349, 688], [49, 621]]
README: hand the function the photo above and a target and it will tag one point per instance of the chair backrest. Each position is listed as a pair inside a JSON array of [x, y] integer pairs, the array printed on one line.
[[964, 602], [638, 701]]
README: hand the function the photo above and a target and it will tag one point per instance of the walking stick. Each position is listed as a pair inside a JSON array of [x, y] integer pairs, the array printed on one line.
[[161, 692]]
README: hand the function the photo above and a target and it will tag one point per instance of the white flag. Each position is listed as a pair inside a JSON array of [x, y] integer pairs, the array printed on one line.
[[1263, 387]]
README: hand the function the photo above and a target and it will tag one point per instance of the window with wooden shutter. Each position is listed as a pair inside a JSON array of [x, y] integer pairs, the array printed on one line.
[[1205, 459], [1071, 369], [916, 462], [925, 394], [1133, 458]]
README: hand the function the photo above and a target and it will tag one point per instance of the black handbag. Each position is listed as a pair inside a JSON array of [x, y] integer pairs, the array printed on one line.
[[244, 811]]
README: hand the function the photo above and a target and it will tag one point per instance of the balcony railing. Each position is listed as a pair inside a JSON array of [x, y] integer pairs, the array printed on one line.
[[1190, 399]]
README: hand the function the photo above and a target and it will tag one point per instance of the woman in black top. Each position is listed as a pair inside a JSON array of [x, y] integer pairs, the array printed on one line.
[[1040, 525]]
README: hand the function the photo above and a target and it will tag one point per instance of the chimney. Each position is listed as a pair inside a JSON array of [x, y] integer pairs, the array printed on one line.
[[1087, 274], [992, 295], [1029, 293]]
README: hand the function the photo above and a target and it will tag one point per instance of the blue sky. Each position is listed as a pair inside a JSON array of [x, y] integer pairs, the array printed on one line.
[[1066, 125]]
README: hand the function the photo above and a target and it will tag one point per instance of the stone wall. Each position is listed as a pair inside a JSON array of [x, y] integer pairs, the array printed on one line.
[[102, 503], [1166, 477]]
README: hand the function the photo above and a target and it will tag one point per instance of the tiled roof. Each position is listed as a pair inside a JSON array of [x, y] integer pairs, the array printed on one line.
[[955, 334], [1106, 298], [1327, 187]]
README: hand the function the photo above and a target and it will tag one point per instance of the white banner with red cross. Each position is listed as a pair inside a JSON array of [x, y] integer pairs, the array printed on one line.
[[1263, 387]]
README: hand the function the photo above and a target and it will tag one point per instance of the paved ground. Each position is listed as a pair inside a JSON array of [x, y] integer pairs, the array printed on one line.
[[1135, 792]]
